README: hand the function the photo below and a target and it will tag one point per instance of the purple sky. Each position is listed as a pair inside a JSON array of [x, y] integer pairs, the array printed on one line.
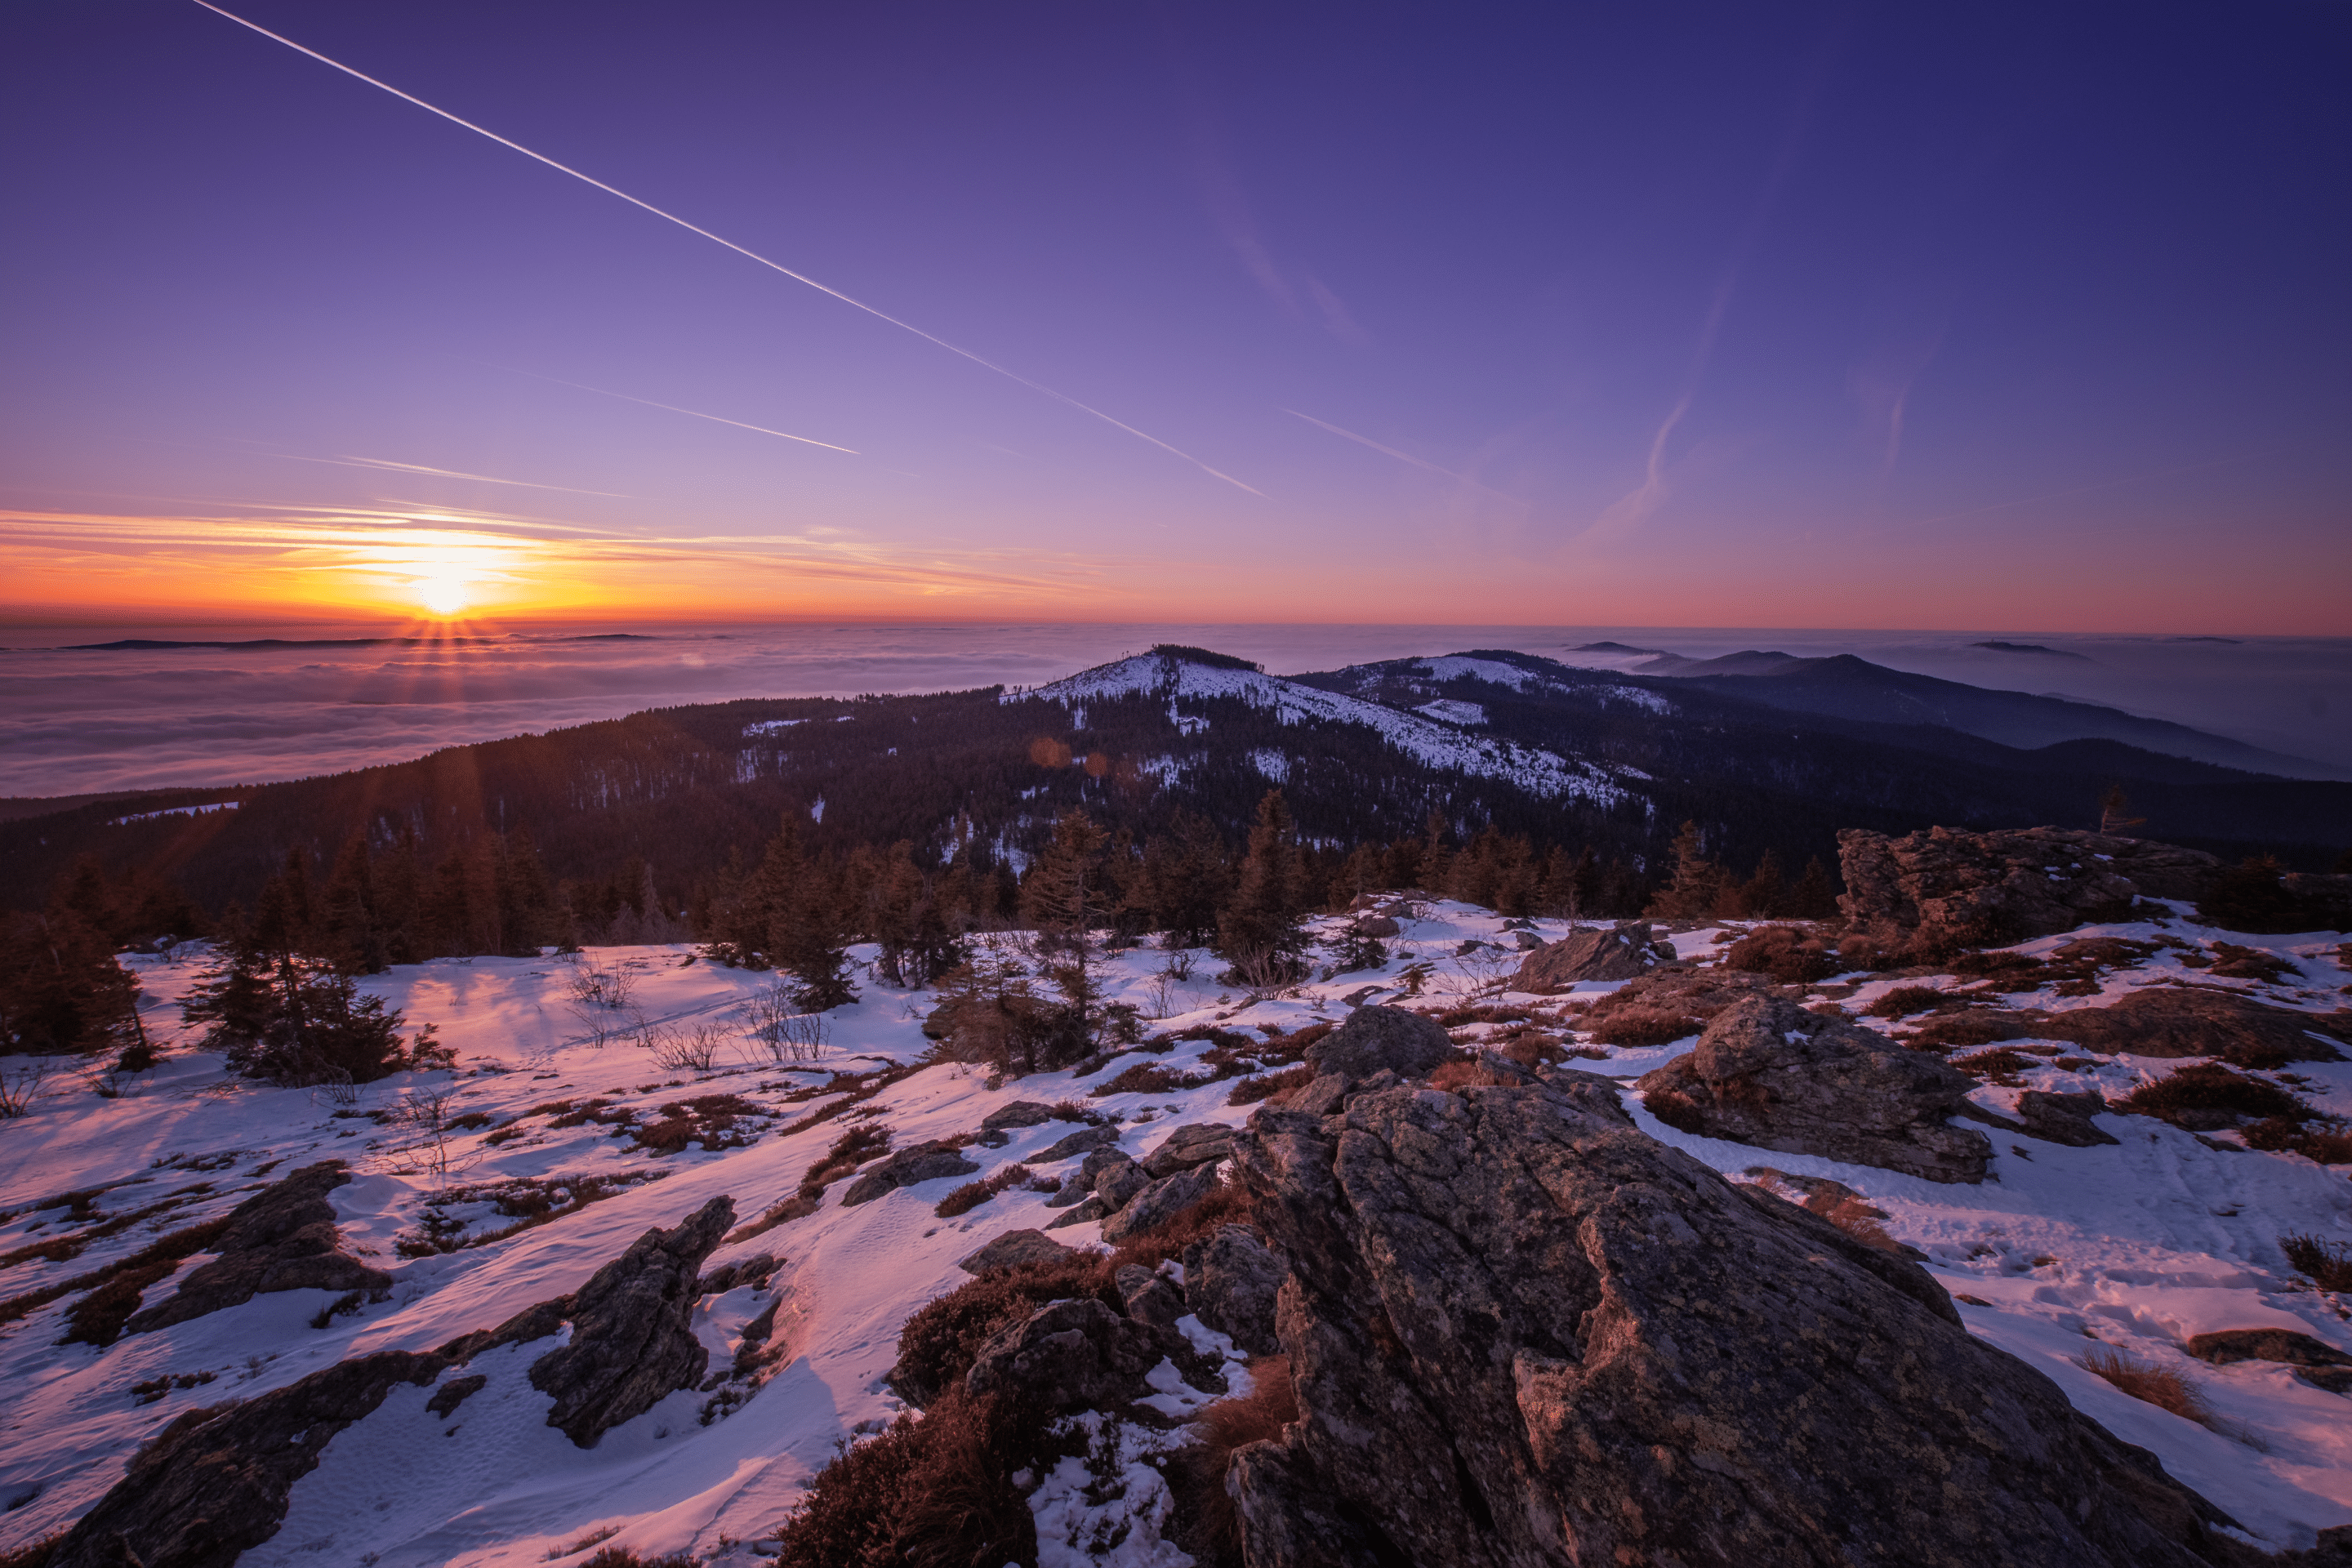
[[1994, 316]]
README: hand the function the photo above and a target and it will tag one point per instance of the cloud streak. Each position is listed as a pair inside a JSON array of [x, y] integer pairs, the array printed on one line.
[[696, 228]]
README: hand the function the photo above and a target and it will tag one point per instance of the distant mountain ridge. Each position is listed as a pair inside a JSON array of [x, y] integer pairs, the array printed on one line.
[[1481, 738]]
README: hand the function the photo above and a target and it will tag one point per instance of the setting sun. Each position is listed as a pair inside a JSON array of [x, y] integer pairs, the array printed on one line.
[[443, 593]]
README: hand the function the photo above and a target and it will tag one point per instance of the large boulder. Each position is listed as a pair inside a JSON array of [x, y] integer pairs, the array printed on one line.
[[2012, 884], [1194, 1143], [1074, 1355], [1622, 952], [633, 1339], [1374, 1039], [1768, 1072], [1159, 1203], [1015, 1248], [282, 1238], [2197, 1021], [1523, 1333], [923, 1162], [1230, 1281]]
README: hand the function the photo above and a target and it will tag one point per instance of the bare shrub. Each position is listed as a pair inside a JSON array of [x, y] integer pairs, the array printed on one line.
[[685, 1048], [593, 1538], [20, 1086], [791, 1036], [429, 1118], [607, 985]]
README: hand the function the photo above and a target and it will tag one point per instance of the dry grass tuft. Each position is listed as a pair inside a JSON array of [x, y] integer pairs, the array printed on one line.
[[2156, 1386], [2327, 1264], [1208, 1527]]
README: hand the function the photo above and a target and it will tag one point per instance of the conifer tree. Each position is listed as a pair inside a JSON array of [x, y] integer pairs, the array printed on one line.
[[1063, 898], [1260, 931], [1698, 881], [1815, 898]]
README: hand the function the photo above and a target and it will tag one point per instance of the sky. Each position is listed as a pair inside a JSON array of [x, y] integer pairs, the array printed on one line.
[[2005, 317]]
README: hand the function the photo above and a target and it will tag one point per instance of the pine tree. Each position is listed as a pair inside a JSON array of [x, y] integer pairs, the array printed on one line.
[[1763, 894], [1260, 931], [1815, 898], [1187, 880], [1698, 881], [1435, 872], [1063, 898], [60, 988], [802, 911]]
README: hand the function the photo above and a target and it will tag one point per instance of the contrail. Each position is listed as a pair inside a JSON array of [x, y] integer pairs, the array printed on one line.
[[753, 255], [674, 408], [386, 463], [1399, 456]]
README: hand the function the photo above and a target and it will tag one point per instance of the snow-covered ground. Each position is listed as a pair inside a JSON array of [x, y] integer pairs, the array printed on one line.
[[2136, 1246]]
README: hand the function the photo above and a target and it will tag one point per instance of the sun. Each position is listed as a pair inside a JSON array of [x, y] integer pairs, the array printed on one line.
[[444, 593]]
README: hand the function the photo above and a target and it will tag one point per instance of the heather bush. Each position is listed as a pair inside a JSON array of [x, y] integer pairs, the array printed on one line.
[[2206, 1095], [1787, 953], [2327, 1264]]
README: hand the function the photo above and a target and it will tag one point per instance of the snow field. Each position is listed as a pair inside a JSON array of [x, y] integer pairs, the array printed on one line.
[[2139, 1245]]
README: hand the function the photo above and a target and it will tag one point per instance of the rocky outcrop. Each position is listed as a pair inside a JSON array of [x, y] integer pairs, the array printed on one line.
[[1230, 1281], [2196, 1021], [1148, 1296], [282, 1238], [1194, 1143], [1084, 1141], [1013, 1249], [923, 1163], [633, 1338], [1075, 1355], [1619, 952], [216, 1482], [2315, 1360], [1374, 1039], [1523, 1333], [2009, 885], [1159, 1203], [2063, 1118], [1769, 1073]]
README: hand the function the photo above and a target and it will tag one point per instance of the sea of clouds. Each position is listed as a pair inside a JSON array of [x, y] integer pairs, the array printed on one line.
[[84, 720]]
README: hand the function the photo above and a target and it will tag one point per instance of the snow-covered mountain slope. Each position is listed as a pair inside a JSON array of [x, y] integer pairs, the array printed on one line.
[[1186, 684], [2134, 1246]]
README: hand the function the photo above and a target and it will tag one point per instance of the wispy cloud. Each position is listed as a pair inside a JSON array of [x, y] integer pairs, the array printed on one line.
[[753, 255]]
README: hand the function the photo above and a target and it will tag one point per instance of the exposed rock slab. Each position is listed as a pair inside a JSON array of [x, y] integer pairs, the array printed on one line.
[[1013, 1249], [2315, 1360], [1620, 952], [1523, 1333], [633, 1330], [2010, 884], [1769, 1073], [2198, 1021], [1160, 1201], [1194, 1143], [1075, 1355], [1374, 1039], [216, 1482], [923, 1162], [1084, 1141], [282, 1238]]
